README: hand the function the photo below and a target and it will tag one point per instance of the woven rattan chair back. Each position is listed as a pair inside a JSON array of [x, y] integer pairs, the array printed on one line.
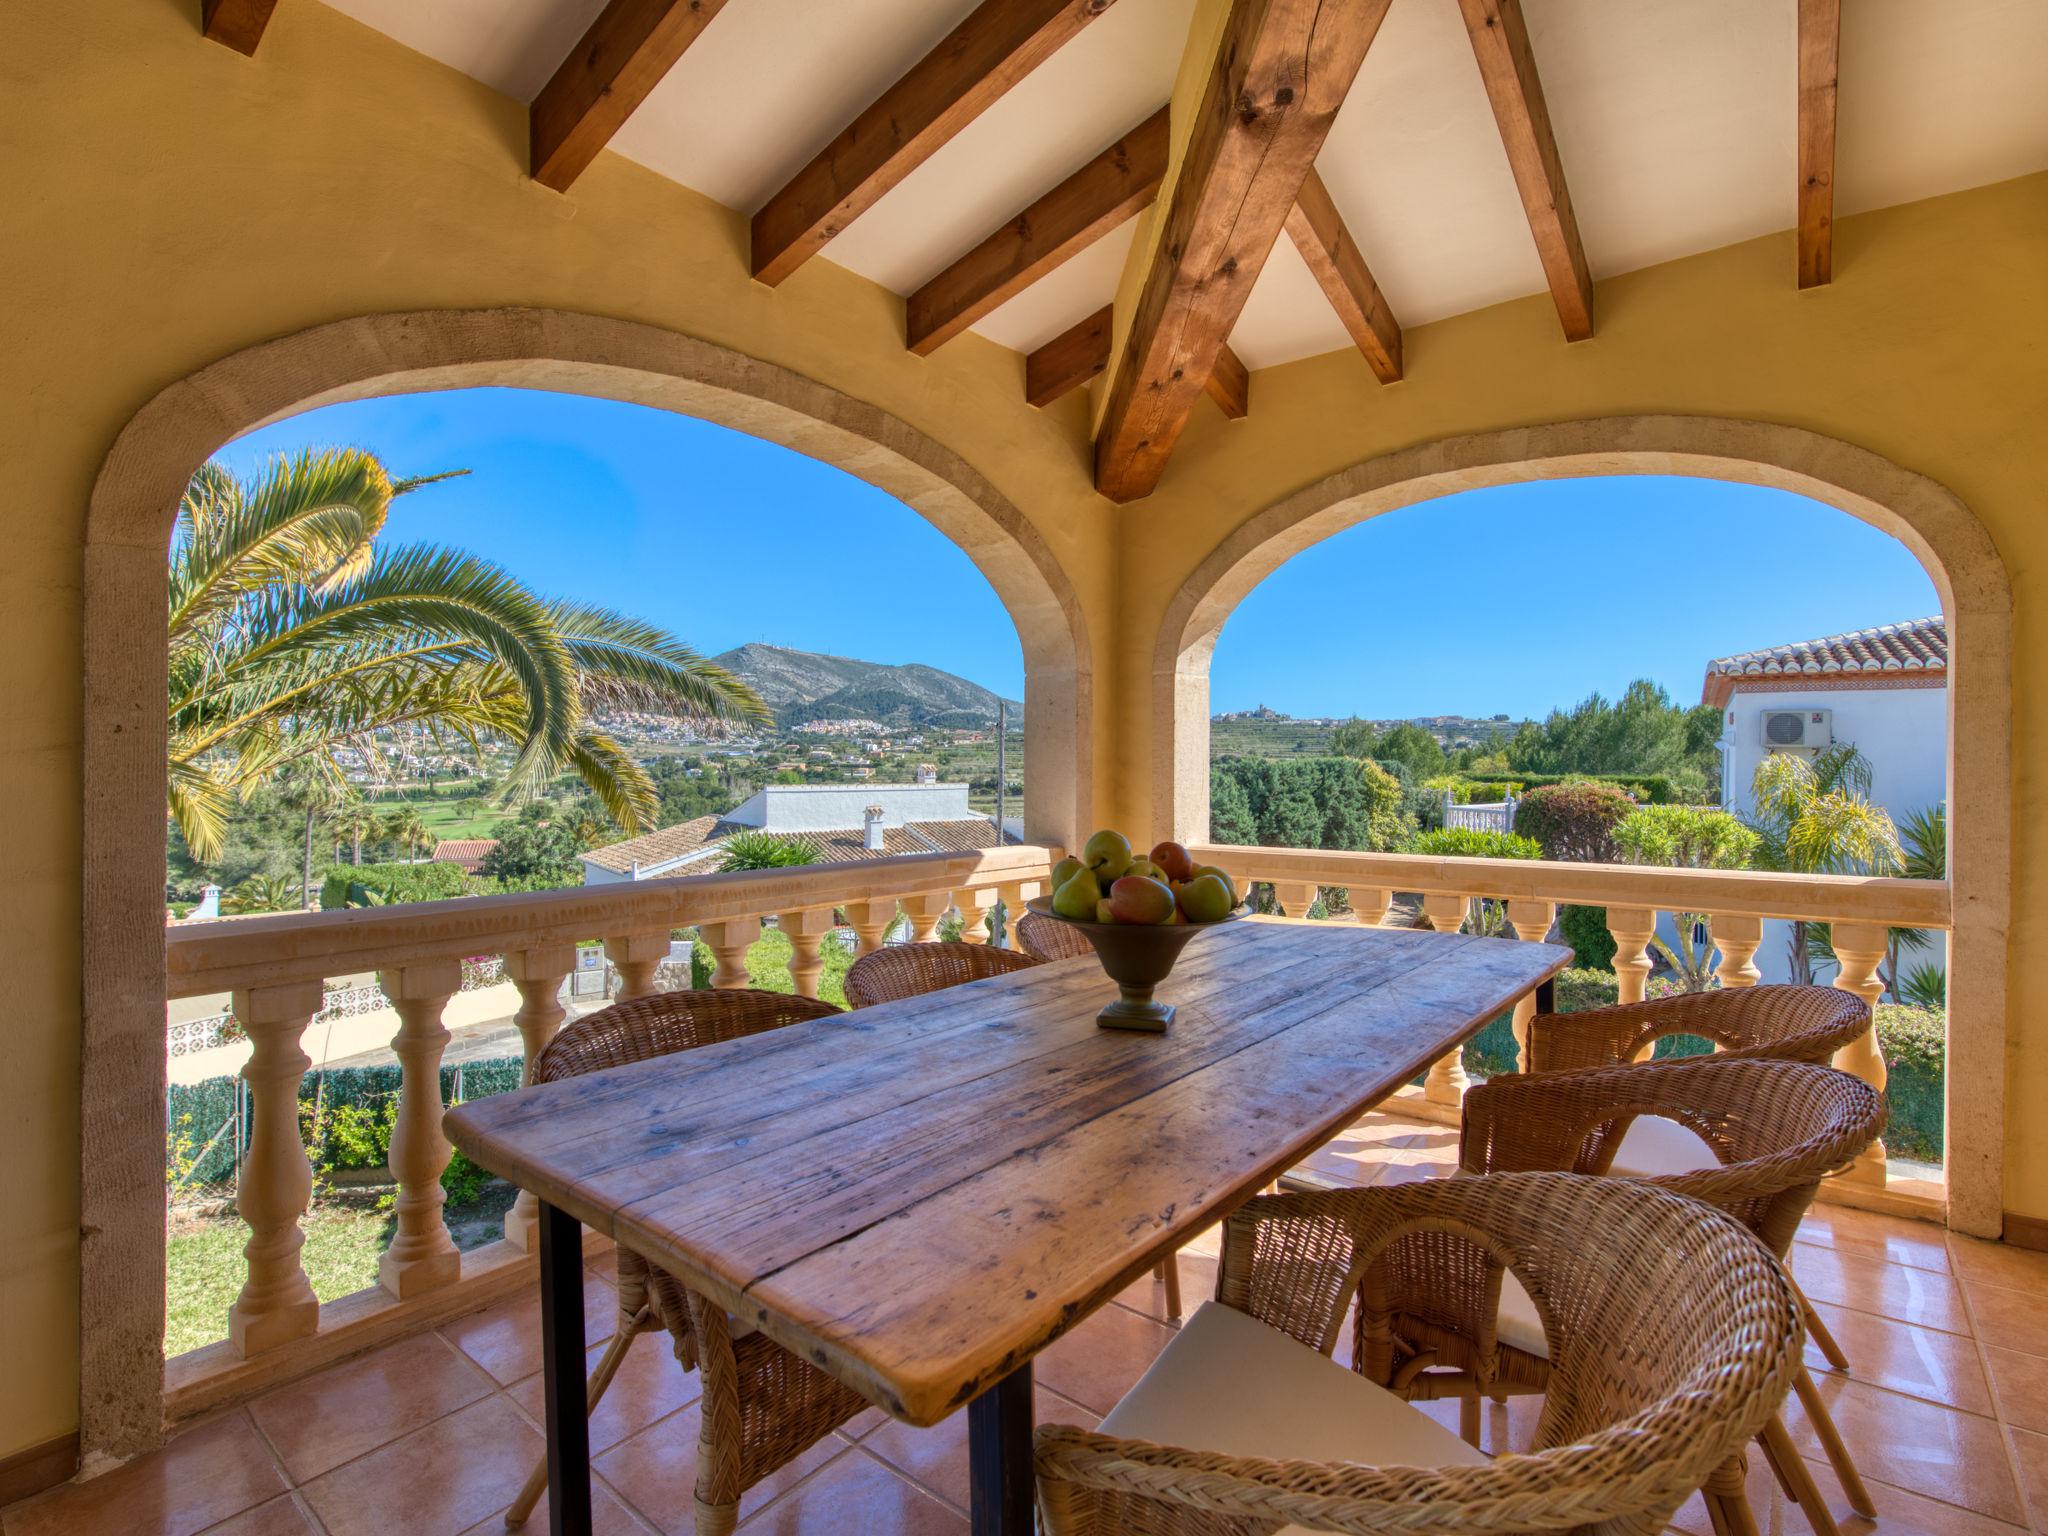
[[1778, 1127], [897, 971], [1049, 938], [665, 1022], [1676, 1338], [1774, 1023]]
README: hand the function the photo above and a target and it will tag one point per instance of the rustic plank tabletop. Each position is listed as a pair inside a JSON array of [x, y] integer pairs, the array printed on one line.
[[921, 1196]]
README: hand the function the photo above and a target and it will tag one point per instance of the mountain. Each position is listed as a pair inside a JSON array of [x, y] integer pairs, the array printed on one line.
[[803, 685]]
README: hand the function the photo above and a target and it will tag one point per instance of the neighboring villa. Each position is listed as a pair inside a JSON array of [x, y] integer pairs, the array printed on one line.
[[844, 821], [1885, 690], [468, 852]]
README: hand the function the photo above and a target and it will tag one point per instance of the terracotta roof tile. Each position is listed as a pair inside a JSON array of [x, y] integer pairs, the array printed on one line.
[[467, 851], [1918, 646]]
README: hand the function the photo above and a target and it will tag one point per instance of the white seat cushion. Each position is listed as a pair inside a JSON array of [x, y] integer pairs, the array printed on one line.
[[1230, 1383], [1654, 1147], [1519, 1325]]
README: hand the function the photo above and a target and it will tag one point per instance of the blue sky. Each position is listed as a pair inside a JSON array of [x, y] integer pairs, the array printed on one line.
[[1518, 600]]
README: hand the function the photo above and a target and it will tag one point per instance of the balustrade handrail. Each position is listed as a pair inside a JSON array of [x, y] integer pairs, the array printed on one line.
[[210, 957], [1807, 898]]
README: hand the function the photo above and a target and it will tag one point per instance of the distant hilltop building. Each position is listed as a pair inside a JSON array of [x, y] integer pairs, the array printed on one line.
[[846, 822]]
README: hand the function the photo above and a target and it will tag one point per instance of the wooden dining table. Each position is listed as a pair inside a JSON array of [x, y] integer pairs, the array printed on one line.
[[919, 1197]]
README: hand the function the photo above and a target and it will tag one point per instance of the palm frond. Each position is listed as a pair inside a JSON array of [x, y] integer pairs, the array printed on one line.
[[199, 805], [628, 663], [621, 785]]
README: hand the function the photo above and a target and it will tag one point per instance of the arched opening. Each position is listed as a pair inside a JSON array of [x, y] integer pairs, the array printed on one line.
[[128, 527], [1969, 579]]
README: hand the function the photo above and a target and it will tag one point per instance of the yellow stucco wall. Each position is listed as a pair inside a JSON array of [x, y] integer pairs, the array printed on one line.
[[173, 202]]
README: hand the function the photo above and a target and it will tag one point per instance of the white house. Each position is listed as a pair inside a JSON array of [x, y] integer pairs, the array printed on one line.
[[1885, 690]]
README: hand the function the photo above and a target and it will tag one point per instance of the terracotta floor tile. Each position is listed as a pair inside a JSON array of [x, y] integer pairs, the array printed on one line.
[[1899, 1513], [281, 1516], [936, 1458], [656, 1472], [1197, 1285], [2013, 1319], [505, 1339], [206, 1475], [1888, 1290], [2032, 1452], [2021, 1382], [436, 1481], [649, 1387], [864, 1423], [1958, 1458], [317, 1424], [608, 1517], [856, 1493], [1922, 1362], [2020, 1269], [1099, 1361], [1870, 1236]]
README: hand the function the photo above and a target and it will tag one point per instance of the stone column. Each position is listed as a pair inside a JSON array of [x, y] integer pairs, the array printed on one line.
[[1632, 928], [1014, 894], [1370, 904], [1295, 896], [276, 1182], [1737, 938], [1860, 950], [1447, 1080], [1531, 921], [974, 904], [422, 1256], [539, 974], [730, 941], [870, 921], [806, 930], [924, 913], [636, 955]]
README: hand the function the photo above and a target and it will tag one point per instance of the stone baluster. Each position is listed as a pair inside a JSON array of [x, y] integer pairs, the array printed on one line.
[[1859, 951], [730, 940], [1737, 938], [1531, 921], [635, 956], [422, 1256], [1370, 904], [925, 912], [1632, 928], [276, 1182], [1295, 896], [1447, 1080], [975, 905], [1014, 894], [539, 974], [806, 930], [870, 921]]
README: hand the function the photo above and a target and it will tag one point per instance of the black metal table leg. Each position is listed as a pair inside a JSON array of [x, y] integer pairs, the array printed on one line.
[[561, 1336], [1546, 997], [999, 1457]]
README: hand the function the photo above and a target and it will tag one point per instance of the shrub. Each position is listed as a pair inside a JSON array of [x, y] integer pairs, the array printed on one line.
[[1585, 987], [1649, 788], [1574, 822], [1684, 837], [1585, 929], [386, 883], [1915, 1053], [1472, 843], [1307, 802]]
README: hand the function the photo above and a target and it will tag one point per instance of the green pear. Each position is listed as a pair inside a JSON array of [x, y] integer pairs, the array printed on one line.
[[1146, 869], [1064, 871], [1077, 899], [1108, 854], [1229, 884], [1206, 899]]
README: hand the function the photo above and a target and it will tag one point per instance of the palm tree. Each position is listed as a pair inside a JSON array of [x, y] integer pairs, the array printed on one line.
[[293, 634], [355, 821], [1816, 818], [404, 826], [313, 788], [259, 893]]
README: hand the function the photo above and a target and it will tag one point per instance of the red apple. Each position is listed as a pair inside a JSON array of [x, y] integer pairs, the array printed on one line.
[[1141, 899], [1175, 859]]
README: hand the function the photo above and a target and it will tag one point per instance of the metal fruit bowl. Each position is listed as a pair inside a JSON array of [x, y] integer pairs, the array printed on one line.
[[1137, 957]]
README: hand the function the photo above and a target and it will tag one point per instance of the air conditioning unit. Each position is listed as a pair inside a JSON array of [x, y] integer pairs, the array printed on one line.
[[1794, 730]]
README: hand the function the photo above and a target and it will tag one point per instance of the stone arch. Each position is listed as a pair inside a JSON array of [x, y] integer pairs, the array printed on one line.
[[1942, 532], [128, 527]]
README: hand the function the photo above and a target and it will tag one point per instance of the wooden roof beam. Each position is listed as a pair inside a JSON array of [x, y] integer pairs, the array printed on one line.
[[1063, 223], [1500, 42], [1280, 74], [1069, 360], [1230, 385], [237, 23], [613, 68], [1820, 40], [1318, 233], [998, 44]]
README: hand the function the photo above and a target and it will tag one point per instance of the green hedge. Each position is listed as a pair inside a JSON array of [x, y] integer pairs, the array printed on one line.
[[394, 882], [1651, 788], [1915, 1055]]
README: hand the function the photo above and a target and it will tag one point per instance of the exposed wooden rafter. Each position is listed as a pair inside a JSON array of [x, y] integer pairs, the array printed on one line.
[[1820, 39], [1318, 233], [1230, 385], [1500, 42], [1063, 223], [611, 70], [237, 23], [1000, 43], [1281, 73], [1069, 360]]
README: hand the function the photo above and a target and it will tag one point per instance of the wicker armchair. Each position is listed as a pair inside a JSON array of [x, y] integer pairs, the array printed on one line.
[[1051, 939], [1777, 1023], [762, 1405], [897, 971], [1677, 1340], [1778, 1127]]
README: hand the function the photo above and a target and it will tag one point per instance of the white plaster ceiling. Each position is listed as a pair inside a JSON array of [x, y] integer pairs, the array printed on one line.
[[1674, 119]]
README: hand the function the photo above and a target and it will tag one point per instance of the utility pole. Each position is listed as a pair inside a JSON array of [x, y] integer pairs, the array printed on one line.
[[1002, 774]]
